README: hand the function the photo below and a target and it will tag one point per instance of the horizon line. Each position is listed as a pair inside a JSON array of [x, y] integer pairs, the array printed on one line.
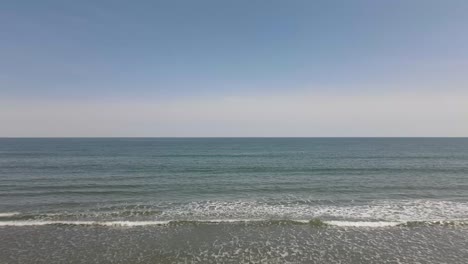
[[201, 137]]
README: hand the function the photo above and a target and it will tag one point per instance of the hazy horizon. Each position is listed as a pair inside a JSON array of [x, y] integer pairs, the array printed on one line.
[[234, 69]]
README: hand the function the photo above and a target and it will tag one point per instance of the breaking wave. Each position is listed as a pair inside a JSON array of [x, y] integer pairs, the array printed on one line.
[[262, 222], [390, 213]]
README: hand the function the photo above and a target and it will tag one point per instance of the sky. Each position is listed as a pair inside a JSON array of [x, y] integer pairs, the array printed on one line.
[[242, 68]]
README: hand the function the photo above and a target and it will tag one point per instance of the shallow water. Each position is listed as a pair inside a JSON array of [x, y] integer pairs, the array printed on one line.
[[233, 243]]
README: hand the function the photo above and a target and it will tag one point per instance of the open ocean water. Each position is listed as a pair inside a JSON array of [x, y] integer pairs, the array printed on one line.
[[234, 200]]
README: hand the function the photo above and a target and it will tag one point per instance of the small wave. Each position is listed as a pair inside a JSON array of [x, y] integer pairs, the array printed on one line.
[[80, 216], [262, 222], [314, 222], [361, 223], [149, 223], [9, 214], [396, 224], [435, 223], [386, 210], [83, 223], [404, 213]]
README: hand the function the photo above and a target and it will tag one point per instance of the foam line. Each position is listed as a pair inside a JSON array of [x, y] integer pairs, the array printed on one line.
[[9, 214], [362, 223]]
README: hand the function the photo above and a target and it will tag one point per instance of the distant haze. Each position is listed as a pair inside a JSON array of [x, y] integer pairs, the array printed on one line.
[[391, 115], [233, 68]]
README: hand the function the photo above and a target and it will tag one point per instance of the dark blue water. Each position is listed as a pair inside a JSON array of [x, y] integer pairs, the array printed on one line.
[[148, 182]]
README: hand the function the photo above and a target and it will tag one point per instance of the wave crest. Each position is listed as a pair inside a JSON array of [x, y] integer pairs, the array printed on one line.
[[262, 222]]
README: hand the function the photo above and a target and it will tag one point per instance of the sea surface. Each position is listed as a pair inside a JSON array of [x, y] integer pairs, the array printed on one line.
[[234, 200]]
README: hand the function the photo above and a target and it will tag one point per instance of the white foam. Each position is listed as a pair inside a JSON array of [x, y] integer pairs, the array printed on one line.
[[128, 223], [302, 221], [9, 214], [30, 223], [385, 210], [87, 223], [361, 223], [230, 220], [337, 223], [132, 223], [376, 213], [149, 223]]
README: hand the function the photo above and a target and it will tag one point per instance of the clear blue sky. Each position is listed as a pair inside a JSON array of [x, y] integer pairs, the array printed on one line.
[[183, 53]]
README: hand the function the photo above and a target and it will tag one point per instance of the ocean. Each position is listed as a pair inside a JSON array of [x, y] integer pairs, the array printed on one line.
[[234, 200]]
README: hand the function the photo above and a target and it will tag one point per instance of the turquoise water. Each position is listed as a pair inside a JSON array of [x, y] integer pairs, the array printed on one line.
[[361, 187]]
